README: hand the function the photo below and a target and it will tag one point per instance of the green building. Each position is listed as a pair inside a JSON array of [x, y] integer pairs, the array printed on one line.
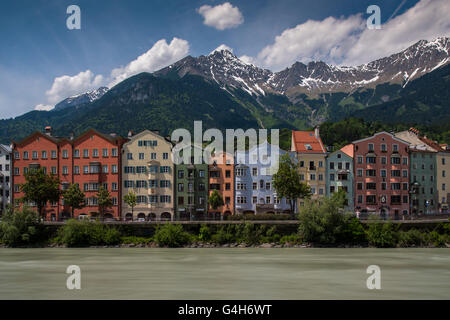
[[422, 173], [191, 187]]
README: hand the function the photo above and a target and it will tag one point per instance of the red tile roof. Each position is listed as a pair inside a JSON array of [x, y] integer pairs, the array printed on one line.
[[303, 139], [348, 150]]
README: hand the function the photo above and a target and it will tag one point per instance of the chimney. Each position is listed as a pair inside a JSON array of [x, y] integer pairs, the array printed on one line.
[[130, 133], [48, 130], [316, 132]]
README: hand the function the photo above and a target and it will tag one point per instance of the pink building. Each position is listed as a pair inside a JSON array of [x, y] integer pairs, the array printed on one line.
[[381, 164]]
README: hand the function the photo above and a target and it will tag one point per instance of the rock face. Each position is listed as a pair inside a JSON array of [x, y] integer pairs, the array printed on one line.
[[315, 77]]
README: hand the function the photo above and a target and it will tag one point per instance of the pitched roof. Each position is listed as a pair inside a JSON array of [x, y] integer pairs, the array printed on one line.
[[307, 142], [348, 150]]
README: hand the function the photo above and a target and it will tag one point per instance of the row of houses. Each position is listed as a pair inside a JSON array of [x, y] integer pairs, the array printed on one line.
[[387, 174]]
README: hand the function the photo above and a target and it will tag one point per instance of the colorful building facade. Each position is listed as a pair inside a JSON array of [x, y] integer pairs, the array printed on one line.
[[5, 177], [382, 175], [254, 192], [91, 160], [311, 156], [443, 180], [221, 178], [340, 174], [422, 166], [191, 186], [148, 171]]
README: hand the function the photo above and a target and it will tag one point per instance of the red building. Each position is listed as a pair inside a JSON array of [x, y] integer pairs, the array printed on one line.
[[91, 160], [381, 164]]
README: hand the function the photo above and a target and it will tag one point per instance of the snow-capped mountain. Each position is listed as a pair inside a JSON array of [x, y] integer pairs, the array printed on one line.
[[223, 67], [81, 99]]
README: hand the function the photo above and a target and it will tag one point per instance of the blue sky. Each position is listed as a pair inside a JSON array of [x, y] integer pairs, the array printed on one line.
[[37, 48]]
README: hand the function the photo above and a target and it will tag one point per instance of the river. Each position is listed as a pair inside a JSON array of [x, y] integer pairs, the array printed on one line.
[[224, 273]]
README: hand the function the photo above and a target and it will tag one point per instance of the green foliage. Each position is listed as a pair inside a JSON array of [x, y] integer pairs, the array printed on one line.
[[353, 231], [80, 233], [20, 227], [40, 188], [104, 200], [286, 182], [204, 233], [74, 197], [215, 200], [324, 221], [292, 239], [381, 234], [130, 199], [224, 234], [171, 235], [135, 240], [436, 239], [410, 238]]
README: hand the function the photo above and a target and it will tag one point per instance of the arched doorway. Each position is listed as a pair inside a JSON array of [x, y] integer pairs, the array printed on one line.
[[166, 216], [108, 216], [151, 217], [65, 215], [141, 216], [248, 212], [128, 217]]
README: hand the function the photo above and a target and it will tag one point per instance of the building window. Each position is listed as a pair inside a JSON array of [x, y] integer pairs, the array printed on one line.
[[34, 155], [65, 154], [331, 165], [76, 170], [76, 153], [85, 153], [331, 176], [268, 199], [95, 153], [141, 156], [114, 186], [153, 156], [370, 146], [165, 156], [44, 154], [105, 152], [360, 159], [254, 171], [359, 186], [16, 155], [320, 177], [114, 168], [65, 170], [359, 172], [114, 152], [180, 174], [105, 168], [201, 173]]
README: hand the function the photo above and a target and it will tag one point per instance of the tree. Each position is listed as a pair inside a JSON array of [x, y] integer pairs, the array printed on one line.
[[74, 197], [215, 200], [20, 227], [131, 200], [104, 201], [323, 220], [287, 184], [40, 188]]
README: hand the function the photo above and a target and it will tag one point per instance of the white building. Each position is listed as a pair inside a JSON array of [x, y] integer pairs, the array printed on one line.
[[5, 176]]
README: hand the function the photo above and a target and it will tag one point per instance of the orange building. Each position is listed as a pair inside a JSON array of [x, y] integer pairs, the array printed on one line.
[[91, 160], [221, 178], [97, 163]]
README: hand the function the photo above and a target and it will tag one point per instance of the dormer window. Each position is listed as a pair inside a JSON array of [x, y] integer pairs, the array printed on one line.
[[308, 146]]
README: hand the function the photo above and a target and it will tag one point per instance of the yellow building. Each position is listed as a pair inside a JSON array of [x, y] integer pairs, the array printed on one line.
[[311, 154], [148, 171], [443, 180]]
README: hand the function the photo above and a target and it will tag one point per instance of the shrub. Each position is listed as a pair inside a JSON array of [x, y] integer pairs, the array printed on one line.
[[225, 234], [323, 221], [205, 233], [410, 238], [292, 239], [171, 235], [20, 227], [436, 239], [135, 240], [381, 235], [85, 233], [353, 231]]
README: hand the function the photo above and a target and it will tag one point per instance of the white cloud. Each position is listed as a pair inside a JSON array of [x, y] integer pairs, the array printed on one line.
[[66, 86], [44, 107], [159, 56], [222, 47], [248, 59], [348, 41], [221, 17]]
